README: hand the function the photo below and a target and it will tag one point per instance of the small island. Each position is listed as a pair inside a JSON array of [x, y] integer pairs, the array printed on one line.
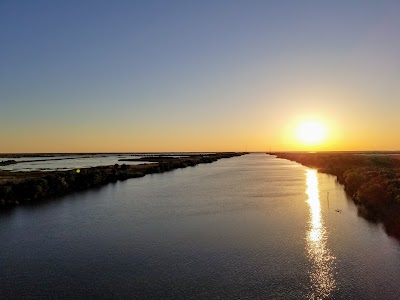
[[32, 187], [371, 179], [7, 162]]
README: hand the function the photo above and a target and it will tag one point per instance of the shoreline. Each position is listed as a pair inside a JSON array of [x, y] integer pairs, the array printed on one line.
[[18, 188], [372, 182]]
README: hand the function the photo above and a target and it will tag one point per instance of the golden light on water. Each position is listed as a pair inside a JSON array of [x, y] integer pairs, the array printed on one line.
[[323, 263]]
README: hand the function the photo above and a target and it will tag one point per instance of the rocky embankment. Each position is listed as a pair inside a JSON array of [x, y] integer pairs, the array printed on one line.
[[371, 179], [33, 187]]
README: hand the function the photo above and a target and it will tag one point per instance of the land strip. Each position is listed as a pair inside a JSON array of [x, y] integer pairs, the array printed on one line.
[[372, 180], [17, 188]]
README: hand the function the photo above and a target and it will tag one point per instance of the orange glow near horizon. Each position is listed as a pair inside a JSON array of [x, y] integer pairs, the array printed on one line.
[[311, 133], [267, 134]]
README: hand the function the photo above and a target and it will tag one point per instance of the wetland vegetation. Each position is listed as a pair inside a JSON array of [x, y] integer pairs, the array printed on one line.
[[32, 187], [372, 180]]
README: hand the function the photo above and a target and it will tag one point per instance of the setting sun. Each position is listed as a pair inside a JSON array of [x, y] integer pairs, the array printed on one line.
[[311, 132]]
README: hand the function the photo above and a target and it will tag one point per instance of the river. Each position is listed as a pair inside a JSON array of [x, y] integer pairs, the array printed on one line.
[[249, 227]]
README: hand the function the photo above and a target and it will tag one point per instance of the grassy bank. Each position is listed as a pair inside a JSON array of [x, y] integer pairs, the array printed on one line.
[[32, 187], [372, 180]]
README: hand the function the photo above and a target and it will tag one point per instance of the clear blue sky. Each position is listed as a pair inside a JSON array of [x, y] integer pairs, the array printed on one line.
[[196, 75]]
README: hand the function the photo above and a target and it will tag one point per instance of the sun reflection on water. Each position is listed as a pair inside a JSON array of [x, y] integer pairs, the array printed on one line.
[[323, 263]]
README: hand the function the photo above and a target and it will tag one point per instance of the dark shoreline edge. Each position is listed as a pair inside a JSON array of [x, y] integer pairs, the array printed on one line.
[[33, 187], [371, 181]]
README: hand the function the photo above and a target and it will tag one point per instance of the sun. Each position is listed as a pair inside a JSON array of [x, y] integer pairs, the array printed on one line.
[[311, 133]]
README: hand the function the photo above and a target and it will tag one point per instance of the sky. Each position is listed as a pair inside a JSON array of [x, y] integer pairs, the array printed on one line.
[[133, 76]]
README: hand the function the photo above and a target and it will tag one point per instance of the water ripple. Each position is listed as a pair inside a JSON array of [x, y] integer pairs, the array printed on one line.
[[322, 278]]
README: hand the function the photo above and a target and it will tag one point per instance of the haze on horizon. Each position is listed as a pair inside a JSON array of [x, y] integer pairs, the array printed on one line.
[[102, 76]]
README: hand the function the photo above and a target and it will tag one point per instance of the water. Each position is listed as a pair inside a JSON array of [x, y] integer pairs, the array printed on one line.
[[69, 162], [66, 162], [247, 227]]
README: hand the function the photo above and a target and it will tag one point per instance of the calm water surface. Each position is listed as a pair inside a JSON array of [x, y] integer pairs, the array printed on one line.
[[66, 162], [248, 227]]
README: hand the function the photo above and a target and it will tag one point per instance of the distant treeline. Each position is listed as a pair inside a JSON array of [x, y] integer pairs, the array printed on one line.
[[32, 187], [372, 181]]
